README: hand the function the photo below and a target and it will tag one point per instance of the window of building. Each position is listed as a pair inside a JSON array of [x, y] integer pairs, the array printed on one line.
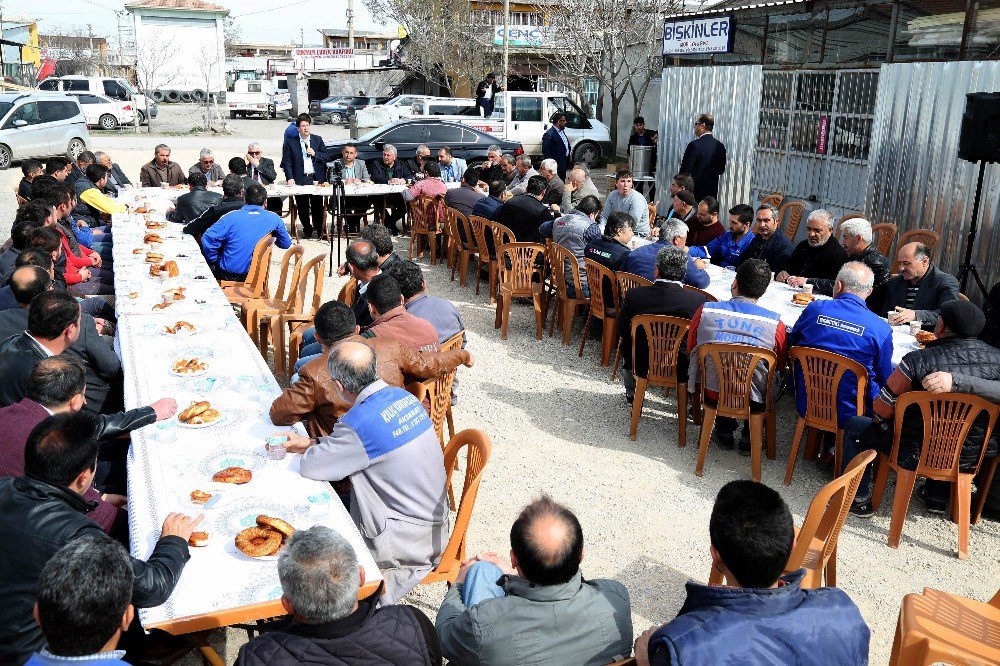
[[983, 42], [928, 31], [794, 39], [858, 34]]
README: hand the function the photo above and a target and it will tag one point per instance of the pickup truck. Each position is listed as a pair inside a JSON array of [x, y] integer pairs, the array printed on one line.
[[260, 97], [525, 116]]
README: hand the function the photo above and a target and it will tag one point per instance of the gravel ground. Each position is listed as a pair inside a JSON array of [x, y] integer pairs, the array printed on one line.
[[559, 426]]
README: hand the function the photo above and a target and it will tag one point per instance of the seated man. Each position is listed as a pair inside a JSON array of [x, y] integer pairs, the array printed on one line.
[[30, 169], [84, 622], [768, 244], [857, 239], [239, 167], [43, 511], [116, 177], [93, 203], [161, 169], [354, 172], [207, 167], [818, 256], [524, 213], [320, 581], [740, 321], [391, 320], [312, 396], [578, 186], [574, 231], [232, 199], [641, 260], [956, 350], [705, 227], [760, 616], [363, 265], [452, 168], [920, 289], [665, 297], [391, 171], [386, 445], [58, 167], [430, 185], [523, 172], [537, 608], [464, 198], [611, 250], [489, 207], [18, 242], [195, 202], [78, 168], [554, 186], [725, 250], [420, 155], [626, 200], [229, 244], [439, 313]]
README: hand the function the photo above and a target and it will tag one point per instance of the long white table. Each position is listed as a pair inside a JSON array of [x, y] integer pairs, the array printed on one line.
[[219, 585]]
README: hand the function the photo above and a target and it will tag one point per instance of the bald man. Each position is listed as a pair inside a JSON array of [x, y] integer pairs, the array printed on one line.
[[920, 289], [386, 445]]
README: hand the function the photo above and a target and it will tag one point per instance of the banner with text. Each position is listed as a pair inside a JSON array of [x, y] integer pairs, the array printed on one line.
[[705, 35], [323, 53]]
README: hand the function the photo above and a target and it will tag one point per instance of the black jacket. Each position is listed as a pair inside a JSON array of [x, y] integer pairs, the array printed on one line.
[[264, 172], [936, 289], [874, 260], [387, 636], [775, 251], [662, 298], [379, 172], [211, 215], [18, 356], [705, 159], [292, 162], [816, 262], [523, 214], [36, 520], [116, 177], [191, 205]]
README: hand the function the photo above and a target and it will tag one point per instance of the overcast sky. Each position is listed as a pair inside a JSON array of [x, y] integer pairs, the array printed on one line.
[[269, 21]]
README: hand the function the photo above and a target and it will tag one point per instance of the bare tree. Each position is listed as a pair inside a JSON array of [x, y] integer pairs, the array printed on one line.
[[210, 67], [76, 51], [152, 66], [231, 34]]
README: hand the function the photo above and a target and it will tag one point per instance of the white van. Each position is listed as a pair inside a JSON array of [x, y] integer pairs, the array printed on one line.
[[443, 106], [40, 125], [115, 88]]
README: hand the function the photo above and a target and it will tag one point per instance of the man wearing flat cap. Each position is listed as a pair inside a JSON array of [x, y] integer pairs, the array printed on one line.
[[956, 350]]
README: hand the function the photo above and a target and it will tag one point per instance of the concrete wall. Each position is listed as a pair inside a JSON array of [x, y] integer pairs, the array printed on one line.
[[186, 37]]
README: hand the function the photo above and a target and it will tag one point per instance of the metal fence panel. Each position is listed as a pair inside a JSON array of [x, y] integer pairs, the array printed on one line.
[[732, 95], [916, 180]]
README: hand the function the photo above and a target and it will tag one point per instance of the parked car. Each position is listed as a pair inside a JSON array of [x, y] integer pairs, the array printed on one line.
[[333, 108], [257, 97], [115, 88], [465, 142], [356, 103], [105, 113], [40, 125], [444, 106], [400, 105]]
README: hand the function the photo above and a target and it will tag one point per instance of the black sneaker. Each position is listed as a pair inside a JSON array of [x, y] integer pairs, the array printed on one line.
[[863, 509], [745, 446], [933, 505], [725, 441]]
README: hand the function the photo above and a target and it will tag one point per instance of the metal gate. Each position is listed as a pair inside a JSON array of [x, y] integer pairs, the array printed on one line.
[[814, 137]]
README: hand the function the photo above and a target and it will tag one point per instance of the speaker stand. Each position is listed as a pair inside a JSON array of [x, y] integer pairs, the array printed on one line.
[[968, 267]]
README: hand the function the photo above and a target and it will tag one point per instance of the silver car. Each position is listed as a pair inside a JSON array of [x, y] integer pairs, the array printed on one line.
[[40, 125]]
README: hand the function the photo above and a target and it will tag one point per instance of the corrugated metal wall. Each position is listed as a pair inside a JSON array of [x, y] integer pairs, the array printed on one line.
[[732, 95], [915, 179]]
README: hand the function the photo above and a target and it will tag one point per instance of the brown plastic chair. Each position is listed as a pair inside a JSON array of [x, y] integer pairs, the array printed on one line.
[[565, 269], [297, 321], [520, 277], [882, 235], [626, 281], [709, 298], [931, 239], [478, 226], [597, 275], [451, 344], [773, 199], [946, 420], [348, 292], [988, 469], [822, 372], [479, 447], [652, 213], [282, 298], [734, 368], [815, 548], [463, 249], [664, 336], [426, 215], [936, 627], [500, 235], [795, 211], [845, 218], [255, 285]]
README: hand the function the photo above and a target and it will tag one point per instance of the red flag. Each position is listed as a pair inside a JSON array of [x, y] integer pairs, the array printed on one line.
[[47, 69]]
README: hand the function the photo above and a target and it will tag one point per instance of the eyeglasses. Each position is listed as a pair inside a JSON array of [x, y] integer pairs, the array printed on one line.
[[207, 162], [254, 152]]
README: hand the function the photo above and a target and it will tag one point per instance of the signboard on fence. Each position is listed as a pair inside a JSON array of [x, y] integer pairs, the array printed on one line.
[[692, 36], [323, 53]]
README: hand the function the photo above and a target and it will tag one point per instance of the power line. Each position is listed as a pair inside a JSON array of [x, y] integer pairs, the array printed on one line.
[[262, 11]]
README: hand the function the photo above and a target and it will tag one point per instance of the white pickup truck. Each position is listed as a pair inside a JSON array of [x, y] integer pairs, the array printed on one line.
[[525, 116], [261, 97]]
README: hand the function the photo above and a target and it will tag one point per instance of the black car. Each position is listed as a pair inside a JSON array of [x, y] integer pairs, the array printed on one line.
[[465, 142]]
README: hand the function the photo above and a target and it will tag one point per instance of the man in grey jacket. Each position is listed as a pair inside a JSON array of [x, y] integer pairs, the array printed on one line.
[[386, 445], [537, 608], [578, 186], [523, 173]]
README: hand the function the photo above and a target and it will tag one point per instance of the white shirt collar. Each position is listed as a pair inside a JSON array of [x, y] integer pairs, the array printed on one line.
[[48, 352]]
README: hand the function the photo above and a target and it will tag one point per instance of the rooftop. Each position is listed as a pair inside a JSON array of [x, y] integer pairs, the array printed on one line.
[[342, 32], [188, 5]]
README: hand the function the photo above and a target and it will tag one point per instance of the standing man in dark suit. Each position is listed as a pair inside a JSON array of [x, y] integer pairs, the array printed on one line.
[[555, 143], [261, 170], [485, 93], [303, 159], [524, 213], [704, 158], [666, 296]]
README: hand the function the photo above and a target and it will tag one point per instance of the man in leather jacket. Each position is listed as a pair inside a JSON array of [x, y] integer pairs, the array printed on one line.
[[45, 509], [195, 202]]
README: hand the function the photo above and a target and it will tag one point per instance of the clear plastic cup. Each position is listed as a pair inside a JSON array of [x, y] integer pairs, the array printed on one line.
[[275, 446], [915, 327], [319, 505], [807, 288]]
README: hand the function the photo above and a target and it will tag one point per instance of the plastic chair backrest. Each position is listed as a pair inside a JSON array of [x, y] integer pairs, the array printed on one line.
[[652, 213], [628, 281], [304, 304], [427, 213], [565, 267], [709, 298], [348, 292], [774, 199], [822, 372], [845, 218], [946, 418], [929, 238], [460, 227], [478, 225], [260, 262], [795, 210], [664, 337], [596, 276], [518, 265], [438, 393], [291, 259], [882, 235], [734, 367], [454, 342], [817, 538], [502, 235]]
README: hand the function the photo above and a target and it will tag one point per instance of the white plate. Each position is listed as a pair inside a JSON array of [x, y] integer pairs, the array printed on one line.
[[184, 333], [799, 305], [199, 426], [196, 373], [239, 554], [224, 490], [220, 460]]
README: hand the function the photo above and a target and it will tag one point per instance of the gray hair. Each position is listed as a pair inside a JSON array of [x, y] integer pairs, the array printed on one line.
[[98, 155], [857, 278], [671, 229], [549, 165], [493, 149], [524, 159], [921, 252], [576, 175], [318, 570], [391, 148], [161, 146], [205, 152], [507, 157], [671, 263], [582, 167], [253, 144], [770, 207], [423, 150], [857, 226], [823, 215], [353, 373]]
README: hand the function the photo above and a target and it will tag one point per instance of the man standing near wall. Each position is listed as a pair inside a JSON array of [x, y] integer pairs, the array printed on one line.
[[704, 158]]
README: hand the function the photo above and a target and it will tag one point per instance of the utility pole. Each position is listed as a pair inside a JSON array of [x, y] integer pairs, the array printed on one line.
[[350, 24], [302, 37], [506, 40]]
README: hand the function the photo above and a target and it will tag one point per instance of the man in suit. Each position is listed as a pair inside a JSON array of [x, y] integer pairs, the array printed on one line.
[[53, 325], [554, 185], [452, 168], [391, 171], [116, 177], [555, 143], [920, 289], [195, 202], [354, 172], [704, 158], [303, 159], [362, 263], [486, 92], [261, 171], [207, 167], [524, 213], [666, 296]]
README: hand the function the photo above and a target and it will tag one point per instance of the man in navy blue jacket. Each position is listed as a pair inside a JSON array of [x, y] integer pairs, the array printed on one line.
[[704, 158], [303, 159], [768, 244], [555, 143], [760, 616]]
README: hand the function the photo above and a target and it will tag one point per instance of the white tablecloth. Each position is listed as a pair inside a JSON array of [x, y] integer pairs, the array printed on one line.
[[167, 460], [143, 195]]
